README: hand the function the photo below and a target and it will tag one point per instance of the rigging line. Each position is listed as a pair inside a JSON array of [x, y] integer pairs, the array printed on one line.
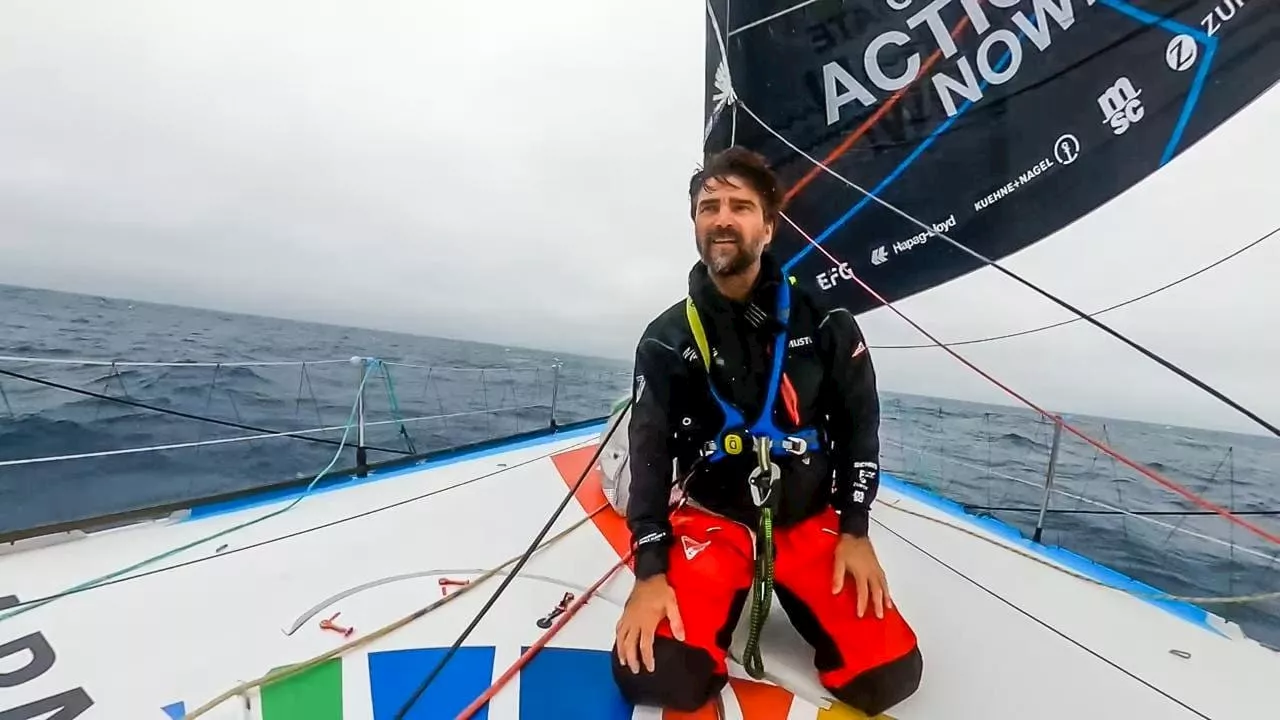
[[1139, 513], [179, 413], [786, 11], [506, 582], [1157, 596], [283, 672], [289, 536], [541, 642], [247, 438], [1158, 478], [1038, 621], [174, 551], [1117, 306], [175, 363], [1082, 499], [351, 420], [1015, 276]]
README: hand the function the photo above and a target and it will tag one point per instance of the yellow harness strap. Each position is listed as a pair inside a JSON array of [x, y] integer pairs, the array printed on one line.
[[699, 334]]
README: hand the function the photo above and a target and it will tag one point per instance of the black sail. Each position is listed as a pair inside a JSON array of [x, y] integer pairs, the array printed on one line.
[[997, 122]]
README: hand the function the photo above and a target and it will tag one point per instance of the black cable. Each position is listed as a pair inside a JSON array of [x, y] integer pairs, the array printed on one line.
[[1040, 622], [1144, 513], [1117, 306], [269, 541], [189, 416], [515, 570], [1063, 304]]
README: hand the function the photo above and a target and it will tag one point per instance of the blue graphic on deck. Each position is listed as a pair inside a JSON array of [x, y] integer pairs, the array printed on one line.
[[571, 684], [395, 674], [175, 711]]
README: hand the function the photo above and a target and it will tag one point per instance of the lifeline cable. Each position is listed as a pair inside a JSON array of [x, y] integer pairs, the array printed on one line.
[[1040, 622], [280, 538], [351, 419], [1159, 479], [453, 649], [1117, 306], [179, 413], [1015, 276]]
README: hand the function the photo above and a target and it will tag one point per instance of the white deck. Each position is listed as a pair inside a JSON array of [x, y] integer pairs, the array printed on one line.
[[1016, 639]]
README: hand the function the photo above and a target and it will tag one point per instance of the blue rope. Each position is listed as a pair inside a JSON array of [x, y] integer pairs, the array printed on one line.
[[351, 420]]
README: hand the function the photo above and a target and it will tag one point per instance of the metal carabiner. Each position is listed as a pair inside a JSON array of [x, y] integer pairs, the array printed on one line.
[[762, 488]]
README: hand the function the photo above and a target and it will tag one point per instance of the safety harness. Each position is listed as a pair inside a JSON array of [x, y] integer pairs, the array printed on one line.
[[768, 442]]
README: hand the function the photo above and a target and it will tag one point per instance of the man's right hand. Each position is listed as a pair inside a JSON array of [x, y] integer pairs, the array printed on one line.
[[652, 599]]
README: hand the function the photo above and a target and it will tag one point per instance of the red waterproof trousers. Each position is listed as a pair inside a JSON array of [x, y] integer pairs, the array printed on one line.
[[868, 662]]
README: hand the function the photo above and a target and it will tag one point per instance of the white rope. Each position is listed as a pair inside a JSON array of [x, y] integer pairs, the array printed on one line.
[[447, 368], [134, 363], [247, 438], [1090, 501], [772, 17]]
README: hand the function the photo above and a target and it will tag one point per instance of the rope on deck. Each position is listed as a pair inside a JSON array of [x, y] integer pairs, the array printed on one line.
[[290, 670]]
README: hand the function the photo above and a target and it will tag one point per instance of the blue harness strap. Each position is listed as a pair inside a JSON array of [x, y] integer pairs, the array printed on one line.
[[732, 438]]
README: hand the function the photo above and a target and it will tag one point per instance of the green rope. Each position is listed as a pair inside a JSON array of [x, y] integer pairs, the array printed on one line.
[[761, 594], [395, 407]]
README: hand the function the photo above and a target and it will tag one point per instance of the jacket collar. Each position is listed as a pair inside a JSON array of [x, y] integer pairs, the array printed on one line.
[[761, 306]]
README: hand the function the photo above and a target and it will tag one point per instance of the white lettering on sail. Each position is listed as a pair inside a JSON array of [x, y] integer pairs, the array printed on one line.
[[1225, 11], [854, 90], [1014, 48], [1038, 32], [876, 73], [947, 87], [931, 14], [962, 81]]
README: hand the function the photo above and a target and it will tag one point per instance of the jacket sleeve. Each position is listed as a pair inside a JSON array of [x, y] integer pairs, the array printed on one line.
[[853, 421], [650, 435]]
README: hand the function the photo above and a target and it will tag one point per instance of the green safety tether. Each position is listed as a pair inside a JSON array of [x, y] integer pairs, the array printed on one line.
[[761, 594], [762, 581]]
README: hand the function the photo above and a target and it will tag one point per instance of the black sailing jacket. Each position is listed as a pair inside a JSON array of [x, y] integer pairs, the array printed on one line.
[[673, 414]]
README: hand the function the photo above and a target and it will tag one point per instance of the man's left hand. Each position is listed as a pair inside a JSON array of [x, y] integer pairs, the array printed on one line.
[[856, 557]]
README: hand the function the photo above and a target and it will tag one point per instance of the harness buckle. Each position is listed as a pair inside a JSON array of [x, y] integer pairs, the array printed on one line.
[[795, 445]]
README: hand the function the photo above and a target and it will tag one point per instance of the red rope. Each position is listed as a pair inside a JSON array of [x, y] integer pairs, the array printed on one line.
[[1153, 475], [523, 660]]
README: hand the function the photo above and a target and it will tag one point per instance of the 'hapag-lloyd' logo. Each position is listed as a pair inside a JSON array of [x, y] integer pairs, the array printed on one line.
[[923, 237]]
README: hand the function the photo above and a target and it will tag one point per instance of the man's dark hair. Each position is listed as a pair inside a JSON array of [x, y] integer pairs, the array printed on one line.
[[746, 164]]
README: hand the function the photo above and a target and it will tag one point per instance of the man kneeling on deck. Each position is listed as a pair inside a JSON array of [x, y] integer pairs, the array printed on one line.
[[767, 402]]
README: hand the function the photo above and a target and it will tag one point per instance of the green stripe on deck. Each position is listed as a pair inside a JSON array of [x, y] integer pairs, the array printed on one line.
[[314, 694]]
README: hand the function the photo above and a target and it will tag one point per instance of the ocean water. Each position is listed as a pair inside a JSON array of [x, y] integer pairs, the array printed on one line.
[[439, 393]]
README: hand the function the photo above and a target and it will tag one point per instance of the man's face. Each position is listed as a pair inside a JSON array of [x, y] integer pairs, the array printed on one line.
[[729, 226]]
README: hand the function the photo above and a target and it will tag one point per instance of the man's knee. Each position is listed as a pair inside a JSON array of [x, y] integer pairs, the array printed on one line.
[[684, 677], [880, 688]]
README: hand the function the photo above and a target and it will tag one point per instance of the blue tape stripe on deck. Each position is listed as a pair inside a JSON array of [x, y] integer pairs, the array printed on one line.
[[571, 684], [395, 674], [1191, 613]]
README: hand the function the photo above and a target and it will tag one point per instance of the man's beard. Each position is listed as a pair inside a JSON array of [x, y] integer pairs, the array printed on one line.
[[727, 260]]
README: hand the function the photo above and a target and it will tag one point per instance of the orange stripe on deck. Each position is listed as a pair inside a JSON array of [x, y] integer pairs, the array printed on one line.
[[591, 496], [867, 124], [759, 701]]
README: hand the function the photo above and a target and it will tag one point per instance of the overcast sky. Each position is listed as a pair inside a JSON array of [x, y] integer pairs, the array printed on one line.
[[515, 172]]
